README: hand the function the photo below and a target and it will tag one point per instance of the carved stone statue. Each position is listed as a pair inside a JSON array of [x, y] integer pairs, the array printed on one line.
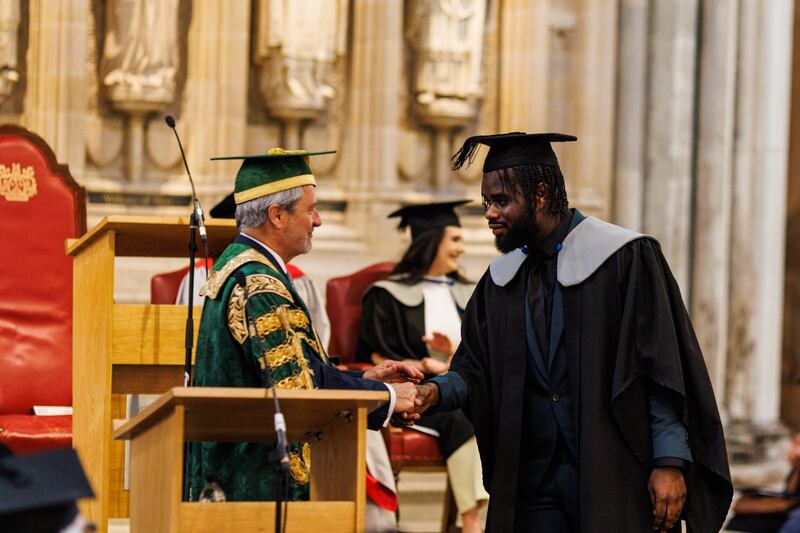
[[140, 53], [140, 59], [297, 46], [447, 36], [9, 26]]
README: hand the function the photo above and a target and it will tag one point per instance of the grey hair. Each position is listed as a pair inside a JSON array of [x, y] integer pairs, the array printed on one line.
[[253, 213]]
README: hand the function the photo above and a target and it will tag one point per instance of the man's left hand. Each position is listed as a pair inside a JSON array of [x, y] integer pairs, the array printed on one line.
[[668, 494], [390, 371]]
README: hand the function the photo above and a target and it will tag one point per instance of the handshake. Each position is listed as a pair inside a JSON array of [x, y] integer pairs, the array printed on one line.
[[412, 399]]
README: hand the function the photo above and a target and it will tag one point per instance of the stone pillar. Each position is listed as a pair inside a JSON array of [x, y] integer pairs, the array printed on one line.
[[631, 110], [758, 226], [55, 99], [714, 182], [670, 127], [524, 62], [790, 389], [214, 115], [590, 184], [371, 144], [771, 161]]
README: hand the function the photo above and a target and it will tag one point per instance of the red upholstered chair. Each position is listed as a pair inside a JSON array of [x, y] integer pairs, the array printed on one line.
[[408, 449], [343, 303], [164, 287], [41, 206]]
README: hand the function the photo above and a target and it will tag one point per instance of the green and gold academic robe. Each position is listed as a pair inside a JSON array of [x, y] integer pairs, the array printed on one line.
[[228, 355]]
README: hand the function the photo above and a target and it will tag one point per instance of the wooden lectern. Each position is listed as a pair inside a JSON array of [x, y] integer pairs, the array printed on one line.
[[333, 421], [123, 348]]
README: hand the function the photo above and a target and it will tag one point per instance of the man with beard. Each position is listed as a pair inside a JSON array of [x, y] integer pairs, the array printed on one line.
[[579, 367], [256, 331]]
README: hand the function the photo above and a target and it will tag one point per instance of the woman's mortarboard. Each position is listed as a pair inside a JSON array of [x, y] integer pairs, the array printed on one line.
[[425, 217], [275, 171], [511, 150]]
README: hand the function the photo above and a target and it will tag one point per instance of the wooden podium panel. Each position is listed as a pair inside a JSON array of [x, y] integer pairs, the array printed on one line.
[[333, 421], [155, 236], [123, 348]]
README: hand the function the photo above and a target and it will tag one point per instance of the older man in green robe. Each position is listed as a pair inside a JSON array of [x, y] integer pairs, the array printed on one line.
[[276, 214]]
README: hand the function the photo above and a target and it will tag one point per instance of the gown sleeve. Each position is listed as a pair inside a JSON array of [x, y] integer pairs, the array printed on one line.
[[657, 342], [286, 351]]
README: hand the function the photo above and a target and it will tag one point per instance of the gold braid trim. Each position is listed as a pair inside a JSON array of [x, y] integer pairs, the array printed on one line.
[[294, 340], [256, 284], [300, 466], [216, 278], [295, 382], [270, 322], [275, 357]]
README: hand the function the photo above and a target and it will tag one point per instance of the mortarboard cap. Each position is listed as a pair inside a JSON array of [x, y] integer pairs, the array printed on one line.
[[40, 480], [424, 217], [511, 150], [275, 171]]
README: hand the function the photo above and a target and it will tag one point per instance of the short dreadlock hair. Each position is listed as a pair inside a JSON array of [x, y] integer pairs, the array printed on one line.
[[525, 179]]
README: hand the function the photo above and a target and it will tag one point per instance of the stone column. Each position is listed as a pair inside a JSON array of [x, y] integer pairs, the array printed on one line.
[[214, 114], [670, 127], [631, 114], [713, 186], [372, 133], [55, 99], [758, 226], [524, 62], [594, 99]]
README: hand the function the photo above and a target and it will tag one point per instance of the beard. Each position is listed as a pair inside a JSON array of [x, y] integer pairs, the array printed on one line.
[[518, 234]]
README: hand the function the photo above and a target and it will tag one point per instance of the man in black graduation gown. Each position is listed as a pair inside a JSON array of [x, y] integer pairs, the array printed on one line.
[[579, 367]]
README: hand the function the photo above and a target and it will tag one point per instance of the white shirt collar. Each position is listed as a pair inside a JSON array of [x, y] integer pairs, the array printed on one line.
[[275, 254]]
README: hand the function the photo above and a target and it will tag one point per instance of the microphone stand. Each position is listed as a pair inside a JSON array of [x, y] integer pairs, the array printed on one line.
[[196, 223], [281, 453], [187, 365]]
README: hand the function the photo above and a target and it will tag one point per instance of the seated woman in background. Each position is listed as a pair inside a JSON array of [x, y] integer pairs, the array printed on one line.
[[415, 315]]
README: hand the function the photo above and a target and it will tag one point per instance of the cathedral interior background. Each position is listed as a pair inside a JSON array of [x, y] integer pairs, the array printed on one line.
[[683, 111]]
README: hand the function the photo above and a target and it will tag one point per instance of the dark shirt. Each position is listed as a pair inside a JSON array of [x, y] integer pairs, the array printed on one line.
[[542, 262]]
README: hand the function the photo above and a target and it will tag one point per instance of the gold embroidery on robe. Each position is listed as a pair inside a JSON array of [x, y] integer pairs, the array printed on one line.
[[256, 284], [300, 466], [294, 339], [217, 278]]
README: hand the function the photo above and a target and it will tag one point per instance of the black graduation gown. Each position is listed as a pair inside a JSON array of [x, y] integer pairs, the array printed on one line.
[[624, 324], [395, 331]]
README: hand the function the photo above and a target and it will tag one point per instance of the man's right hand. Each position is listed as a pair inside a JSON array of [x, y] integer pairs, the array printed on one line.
[[406, 397], [406, 403], [427, 397]]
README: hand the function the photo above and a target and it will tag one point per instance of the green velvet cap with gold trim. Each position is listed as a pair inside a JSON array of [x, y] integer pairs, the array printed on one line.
[[275, 171]]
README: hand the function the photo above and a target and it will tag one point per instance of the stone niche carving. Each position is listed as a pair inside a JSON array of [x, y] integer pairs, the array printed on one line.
[[298, 47], [140, 54], [9, 36], [139, 65], [447, 38]]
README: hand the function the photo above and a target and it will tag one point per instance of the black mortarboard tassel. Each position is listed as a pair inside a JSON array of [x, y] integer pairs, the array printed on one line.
[[424, 217], [511, 150]]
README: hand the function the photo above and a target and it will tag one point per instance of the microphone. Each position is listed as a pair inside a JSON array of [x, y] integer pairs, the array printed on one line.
[[281, 451], [198, 211]]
